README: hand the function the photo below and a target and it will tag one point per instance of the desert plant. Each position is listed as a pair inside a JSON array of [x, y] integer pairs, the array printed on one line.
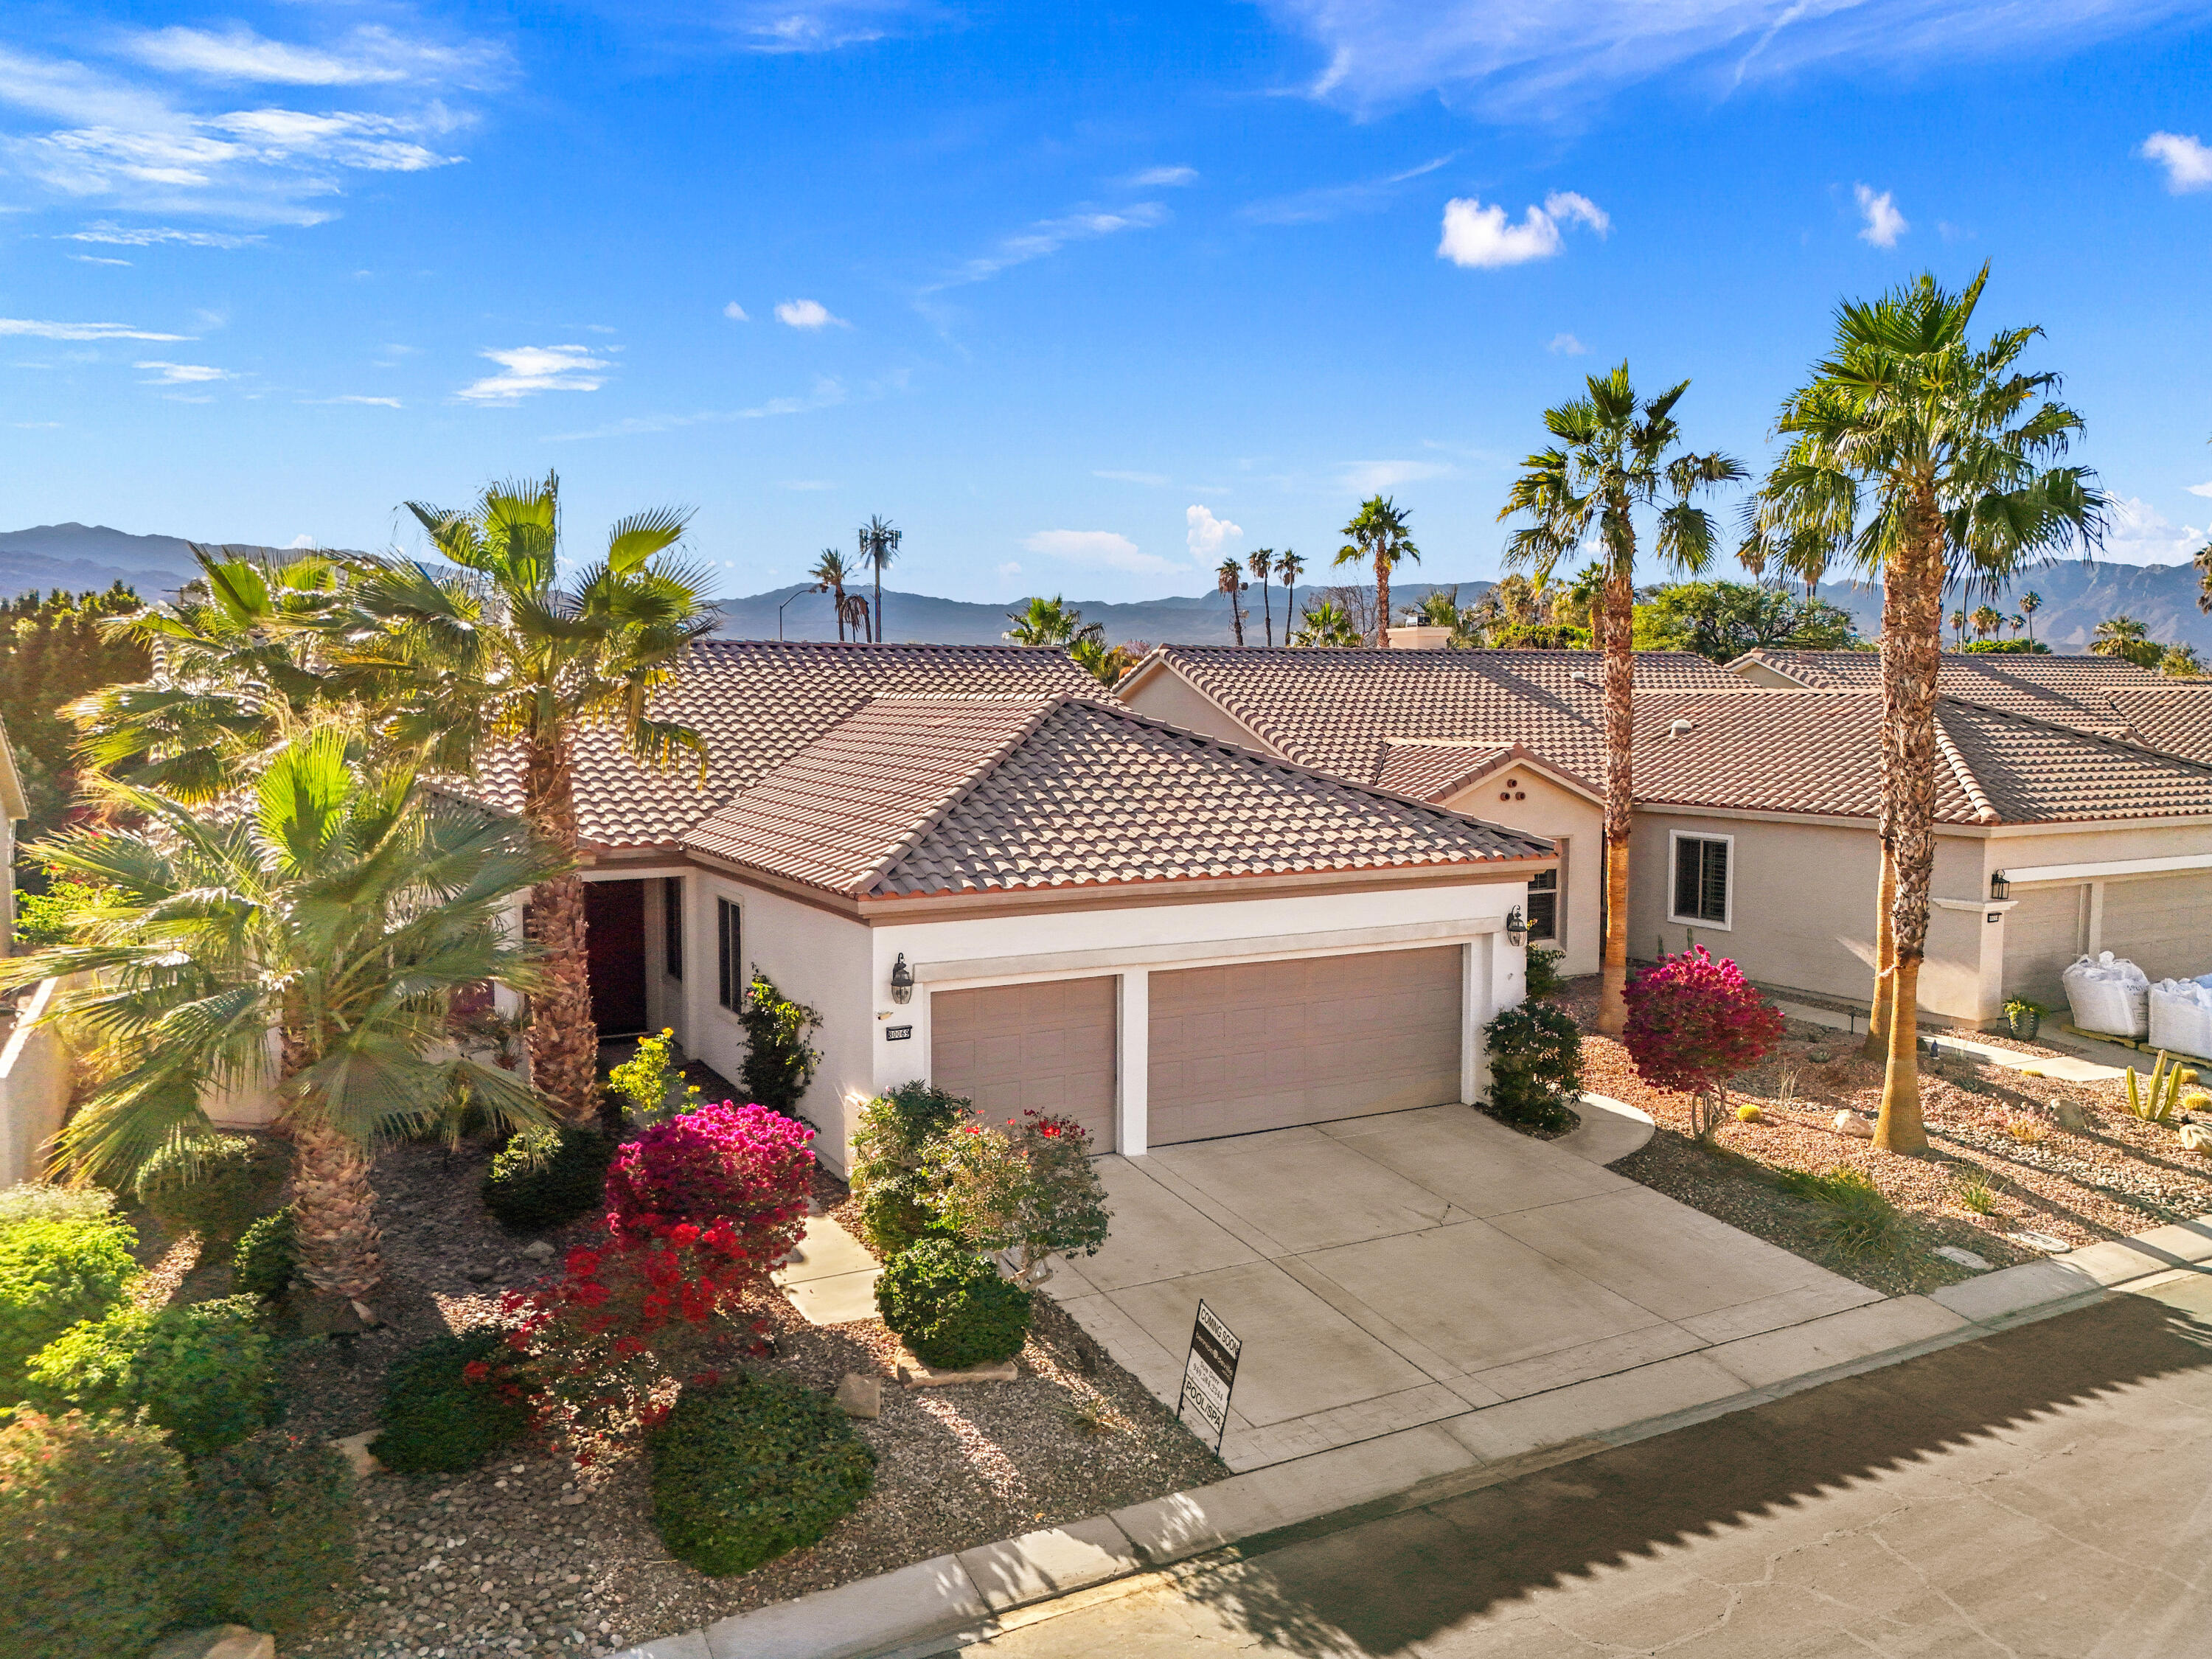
[[2023, 1019], [745, 1165], [1030, 1188], [651, 1083], [1694, 1021], [889, 1179], [2157, 1099], [450, 1403], [1544, 978], [1535, 1055], [200, 1370], [54, 1274], [269, 1535], [1748, 1112], [1091, 1415], [1856, 1218], [267, 1257], [547, 1175], [779, 1062], [37, 1200], [1972, 1189], [215, 1186], [2027, 1129], [750, 1468], [952, 1307], [89, 1509]]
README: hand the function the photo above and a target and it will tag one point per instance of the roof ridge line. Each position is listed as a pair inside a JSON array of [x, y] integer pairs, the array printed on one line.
[[1984, 810], [960, 791], [2082, 733]]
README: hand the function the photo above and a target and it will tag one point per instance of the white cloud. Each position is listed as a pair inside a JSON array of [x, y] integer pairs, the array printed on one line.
[[2187, 162], [1009, 569], [735, 313], [357, 398], [2141, 534], [807, 313], [154, 236], [1327, 202], [1566, 345], [1373, 477], [796, 26], [181, 373], [2200, 490], [1884, 224], [827, 393], [1048, 236], [1163, 177], [1478, 236], [1132, 477], [1206, 533], [1105, 549], [527, 369], [303, 542], [40, 330], [98, 259], [368, 56]]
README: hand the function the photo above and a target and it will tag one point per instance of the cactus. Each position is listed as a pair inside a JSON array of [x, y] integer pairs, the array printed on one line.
[[2158, 1101]]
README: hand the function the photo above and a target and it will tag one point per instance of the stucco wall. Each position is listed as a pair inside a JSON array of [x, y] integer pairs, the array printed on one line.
[[2162, 922], [1577, 824], [1164, 694]]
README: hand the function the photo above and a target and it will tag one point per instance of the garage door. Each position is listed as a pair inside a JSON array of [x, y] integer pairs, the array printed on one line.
[[2043, 934], [2163, 924], [1012, 1049], [1266, 1044]]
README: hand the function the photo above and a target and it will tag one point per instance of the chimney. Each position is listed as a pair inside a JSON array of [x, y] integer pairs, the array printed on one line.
[[1418, 638]]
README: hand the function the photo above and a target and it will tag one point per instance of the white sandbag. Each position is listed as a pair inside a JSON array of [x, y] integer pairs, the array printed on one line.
[[2181, 1017], [2108, 994]]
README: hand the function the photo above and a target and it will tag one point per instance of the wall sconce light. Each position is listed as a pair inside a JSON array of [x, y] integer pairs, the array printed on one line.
[[1999, 887], [902, 980], [1516, 929]]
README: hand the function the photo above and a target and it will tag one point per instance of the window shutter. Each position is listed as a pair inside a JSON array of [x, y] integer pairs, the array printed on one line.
[[1715, 909], [1685, 875], [672, 924], [724, 924]]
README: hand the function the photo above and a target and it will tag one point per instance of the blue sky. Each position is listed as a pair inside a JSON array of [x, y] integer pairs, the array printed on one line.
[[1080, 296]]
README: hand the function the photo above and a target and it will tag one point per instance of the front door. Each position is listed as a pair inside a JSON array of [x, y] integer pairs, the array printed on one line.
[[614, 916]]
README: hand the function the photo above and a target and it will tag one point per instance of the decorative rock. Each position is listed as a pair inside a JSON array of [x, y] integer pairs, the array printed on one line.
[[539, 1250], [2196, 1137], [479, 1273], [1964, 1258], [217, 1642], [1818, 1056], [363, 1312], [354, 1448], [2043, 1241], [1850, 1123], [861, 1396], [915, 1374]]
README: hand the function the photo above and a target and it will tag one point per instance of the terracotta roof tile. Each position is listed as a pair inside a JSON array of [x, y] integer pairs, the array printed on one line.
[[2177, 718], [1421, 769]]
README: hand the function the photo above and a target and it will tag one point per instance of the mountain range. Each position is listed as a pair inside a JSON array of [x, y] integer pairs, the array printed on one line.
[[2077, 595]]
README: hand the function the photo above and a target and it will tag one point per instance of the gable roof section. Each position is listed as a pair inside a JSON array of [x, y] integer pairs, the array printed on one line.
[[2177, 718], [1818, 753], [2071, 690], [930, 797], [757, 704], [1338, 710], [1422, 768]]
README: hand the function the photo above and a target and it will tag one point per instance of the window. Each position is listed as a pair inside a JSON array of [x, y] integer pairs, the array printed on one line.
[[1701, 879], [1544, 905], [730, 988], [672, 924]]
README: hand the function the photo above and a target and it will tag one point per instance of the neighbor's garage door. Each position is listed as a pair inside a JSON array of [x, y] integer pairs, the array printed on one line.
[[2043, 935], [1011, 1048], [2163, 924], [1263, 1045]]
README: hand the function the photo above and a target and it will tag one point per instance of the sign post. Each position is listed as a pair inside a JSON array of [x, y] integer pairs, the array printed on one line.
[[1210, 1372]]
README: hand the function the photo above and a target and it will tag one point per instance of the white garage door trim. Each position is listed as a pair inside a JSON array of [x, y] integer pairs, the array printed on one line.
[[1018, 1064], [1199, 954]]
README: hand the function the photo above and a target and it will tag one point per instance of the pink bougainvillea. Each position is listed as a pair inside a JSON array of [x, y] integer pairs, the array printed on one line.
[[744, 1166], [1694, 1021]]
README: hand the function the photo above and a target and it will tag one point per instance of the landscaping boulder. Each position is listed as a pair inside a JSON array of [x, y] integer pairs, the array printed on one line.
[[217, 1642], [861, 1396]]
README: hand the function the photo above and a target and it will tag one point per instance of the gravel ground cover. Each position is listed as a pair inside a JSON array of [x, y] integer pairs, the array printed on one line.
[[2107, 1176]]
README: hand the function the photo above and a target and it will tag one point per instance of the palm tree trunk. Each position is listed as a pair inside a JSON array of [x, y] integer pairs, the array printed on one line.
[[1236, 618], [1289, 608], [837, 598], [564, 1044], [333, 1207], [1267, 612], [1900, 1128], [1614, 640], [1885, 937], [1381, 601], [879, 604]]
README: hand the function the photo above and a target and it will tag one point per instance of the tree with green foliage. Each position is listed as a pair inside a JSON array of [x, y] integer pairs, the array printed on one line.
[[2127, 638], [1052, 622], [1326, 624], [1229, 578], [55, 648], [1378, 536], [1723, 620]]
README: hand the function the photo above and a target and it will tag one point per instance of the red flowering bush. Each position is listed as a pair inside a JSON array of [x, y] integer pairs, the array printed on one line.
[[744, 1166], [1030, 1187], [1693, 1022]]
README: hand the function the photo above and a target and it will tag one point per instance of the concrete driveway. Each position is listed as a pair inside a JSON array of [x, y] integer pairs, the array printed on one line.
[[1388, 1272]]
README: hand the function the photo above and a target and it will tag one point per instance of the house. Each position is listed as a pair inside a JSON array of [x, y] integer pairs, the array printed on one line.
[[981, 870], [1514, 737]]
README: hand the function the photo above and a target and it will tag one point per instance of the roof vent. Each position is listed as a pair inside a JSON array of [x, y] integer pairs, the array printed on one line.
[[1680, 727], [1580, 677]]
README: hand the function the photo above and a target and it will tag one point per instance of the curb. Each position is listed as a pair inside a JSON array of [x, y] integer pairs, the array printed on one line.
[[968, 1594]]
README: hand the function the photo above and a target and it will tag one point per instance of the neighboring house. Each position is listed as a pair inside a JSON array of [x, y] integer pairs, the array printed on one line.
[[13, 808], [1514, 737], [1165, 936]]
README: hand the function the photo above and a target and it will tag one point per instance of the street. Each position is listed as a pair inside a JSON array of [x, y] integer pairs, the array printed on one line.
[[2045, 1492]]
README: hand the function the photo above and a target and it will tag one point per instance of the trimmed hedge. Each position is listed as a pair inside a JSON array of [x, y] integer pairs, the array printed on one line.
[[216, 1187], [89, 1509], [201, 1370], [1536, 1067], [267, 1256], [889, 1178], [952, 1307], [54, 1274], [748, 1469], [272, 1525], [545, 1177], [436, 1417]]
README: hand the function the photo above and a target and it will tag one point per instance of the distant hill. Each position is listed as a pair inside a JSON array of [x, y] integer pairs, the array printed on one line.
[[2076, 596], [77, 556]]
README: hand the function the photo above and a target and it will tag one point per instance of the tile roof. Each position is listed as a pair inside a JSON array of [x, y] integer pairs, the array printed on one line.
[[1819, 752], [1423, 770], [928, 796], [1338, 710], [758, 703], [2071, 690], [2177, 718]]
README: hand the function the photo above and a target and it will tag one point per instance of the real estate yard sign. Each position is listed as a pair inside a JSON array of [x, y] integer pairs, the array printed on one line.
[[1210, 1372]]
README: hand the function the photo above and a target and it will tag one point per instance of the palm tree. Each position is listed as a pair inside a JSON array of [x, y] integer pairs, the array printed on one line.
[[1103, 663], [2015, 622], [500, 663], [1615, 453], [1377, 535], [1261, 564], [879, 545], [1927, 451], [855, 615], [1229, 578], [340, 910], [2030, 603], [2120, 636], [1051, 622], [1326, 624], [1289, 566], [831, 574], [1987, 619], [1959, 626]]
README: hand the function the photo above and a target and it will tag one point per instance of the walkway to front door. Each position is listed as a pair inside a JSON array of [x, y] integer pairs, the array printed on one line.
[[1387, 1272]]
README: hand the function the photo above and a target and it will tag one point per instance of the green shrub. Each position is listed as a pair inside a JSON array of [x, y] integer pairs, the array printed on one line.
[[272, 1529], [749, 1469], [216, 1187], [1856, 1219], [952, 1307], [1536, 1067], [889, 1174], [650, 1084], [263, 1263], [201, 1370], [1544, 977], [89, 1508], [779, 1060], [449, 1404], [54, 1274], [35, 1200], [545, 1177]]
